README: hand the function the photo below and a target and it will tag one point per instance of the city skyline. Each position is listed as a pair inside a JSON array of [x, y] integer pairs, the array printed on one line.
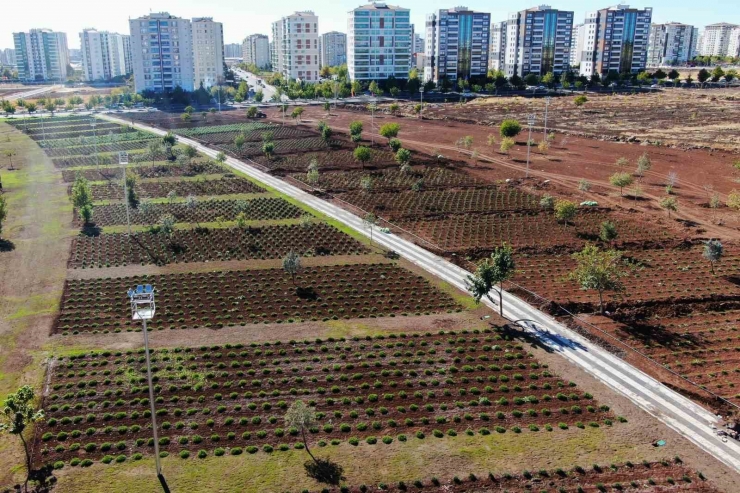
[[332, 17]]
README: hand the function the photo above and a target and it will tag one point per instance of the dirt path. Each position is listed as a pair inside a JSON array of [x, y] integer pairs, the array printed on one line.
[[36, 243]]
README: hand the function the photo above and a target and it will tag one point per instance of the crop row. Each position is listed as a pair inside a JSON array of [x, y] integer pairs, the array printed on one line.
[[89, 150], [337, 159], [101, 127], [234, 127], [47, 139], [102, 138], [390, 179], [57, 121], [285, 146], [145, 171], [156, 189], [202, 245], [260, 208], [227, 137], [254, 296]]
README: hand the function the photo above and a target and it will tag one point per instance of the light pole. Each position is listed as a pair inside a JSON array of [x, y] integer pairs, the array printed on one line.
[[95, 133], [547, 104], [372, 118], [530, 121], [123, 161], [421, 102], [336, 89]]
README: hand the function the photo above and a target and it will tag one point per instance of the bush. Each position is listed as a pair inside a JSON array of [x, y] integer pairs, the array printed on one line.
[[371, 440], [387, 440], [510, 128], [236, 451], [219, 452], [184, 454], [107, 459], [202, 454], [58, 464]]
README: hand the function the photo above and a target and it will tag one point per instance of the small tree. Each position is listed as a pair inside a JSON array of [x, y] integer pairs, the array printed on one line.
[[733, 200], [81, 192], [403, 156], [167, 226], [599, 270], [363, 155], [268, 148], [169, 140], [86, 213], [191, 203], [394, 107], [713, 251], [506, 144], [190, 153], [366, 183], [643, 164], [580, 100], [326, 134], [241, 220], [3, 211], [297, 112], [670, 204], [621, 180], [239, 141], [390, 130], [312, 176], [370, 221], [221, 157], [543, 146], [292, 265], [491, 140], [465, 142], [584, 185], [510, 128], [171, 196], [18, 413], [622, 162], [252, 112], [547, 202], [355, 131], [302, 418], [608, 232], [327, 107], [714, 202], [9, 153], [131, 196], [565, 210], [498, 268], [154, 148]]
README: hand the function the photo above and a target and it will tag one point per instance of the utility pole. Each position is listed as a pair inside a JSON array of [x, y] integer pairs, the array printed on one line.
[[421, 101], [547, 104], [530, 121], [123, 161]]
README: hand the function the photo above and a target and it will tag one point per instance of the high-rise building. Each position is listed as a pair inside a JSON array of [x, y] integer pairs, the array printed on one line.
[[616, 40], [208, 51], [378, 42], [671, 44], [256, 50], [41, 54], [417, 45], [333, 49], [162, 52], [733, 47], [461, 44], [497, 52], [715, 39], [233, 50], [104, 54], [7, 57], [296, 39], [538, 41], [577, 41]]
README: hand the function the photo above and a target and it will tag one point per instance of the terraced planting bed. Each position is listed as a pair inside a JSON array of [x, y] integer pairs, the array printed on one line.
[[328, 160], [260, 208], [378, 390], [156, 189], [285, 146], [227, 136], [201, 245], [89, 150], [194, 168], [252, 296], [393, 179]]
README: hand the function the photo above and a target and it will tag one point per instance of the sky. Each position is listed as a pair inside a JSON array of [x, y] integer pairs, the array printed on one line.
[[244, 17]]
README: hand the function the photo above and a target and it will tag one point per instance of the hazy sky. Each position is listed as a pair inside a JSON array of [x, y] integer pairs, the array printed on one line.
[[244, 17]]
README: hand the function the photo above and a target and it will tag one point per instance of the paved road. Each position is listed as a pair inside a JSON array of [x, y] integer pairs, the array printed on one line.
[[689, 419], [267, 90], [30, 93]]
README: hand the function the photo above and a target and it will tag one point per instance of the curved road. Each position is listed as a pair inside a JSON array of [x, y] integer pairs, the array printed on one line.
[[681, 414]]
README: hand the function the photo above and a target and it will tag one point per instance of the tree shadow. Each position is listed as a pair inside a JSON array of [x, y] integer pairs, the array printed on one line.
[[306, 293], [6, 246], [91, 230], [324, 471], [42, 480]]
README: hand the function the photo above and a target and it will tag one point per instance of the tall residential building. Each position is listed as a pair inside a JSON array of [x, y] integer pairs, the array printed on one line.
[[715, 39], [497, 52], [208, 51], [333, 49], [162, 52], [577, 42], [296, 39], [461, 46], [7, 57], [378, 42], [671, 44], [616, 39], [233, 50], [104, 54], [417, 45], [538, 41], [41, 54], [256, 50], [733, 47]]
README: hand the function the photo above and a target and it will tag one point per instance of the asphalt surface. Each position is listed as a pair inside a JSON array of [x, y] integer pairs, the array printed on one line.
[[689, 419], [30, 94]]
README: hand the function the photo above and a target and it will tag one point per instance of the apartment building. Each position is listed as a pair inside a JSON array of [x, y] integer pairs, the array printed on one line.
[[105, 55], [733, 46], [233, 50], [417, 46], [208, 51], [461, 44], [333, 49], [577, 42], [497, 52], [41, 54], [256, 50], [538, 41], [162, 53], [378, 42], [7, 57], [671, 44], [616, 39], [296, 52], [715, 40]]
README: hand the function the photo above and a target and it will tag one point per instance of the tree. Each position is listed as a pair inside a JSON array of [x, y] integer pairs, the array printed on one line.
[[713, 251], [18, 413], [643, 164], [167, 225], [547, 202], [297, 112], [466, 142], [326, 134], [599, 270], [506, 144], [584, 185], [669, 204], [312, 176], [374, 88], [292, 265], [327, 107], [3, 211], [268, 148], [491, 140], [259, 95], [363, 155], [580, 100], [394, 107], [131, 197], [608, 232], [717, 73], [370, 221], [621, 180], [86, 213], [673, 74], [403, 156], [703, 76], [394, 144], [9, 153], [221, 157], [169, 141], [252, 112], [189, 110], [643, 78], [154, 148], [498, 268], [355, 131], [366, 183], [565, 210], [81, 192], [191, 203], [190, 152], [302, 418], [390, 130], [510, 128]]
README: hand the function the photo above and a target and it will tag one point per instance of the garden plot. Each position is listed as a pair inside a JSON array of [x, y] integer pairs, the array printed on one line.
[[89, 150], [261, 208], [393, 179], [157, 189], [253, 296], [78, 131], [170, 170], [203, 245], [228, 135], [380, 389], [336, 159], [201, 132], [285, 146]]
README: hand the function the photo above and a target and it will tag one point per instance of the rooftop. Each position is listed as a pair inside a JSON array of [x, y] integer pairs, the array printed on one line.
[[379, 6]]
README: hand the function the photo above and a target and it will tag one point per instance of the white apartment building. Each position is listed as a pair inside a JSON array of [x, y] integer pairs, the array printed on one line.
[[333, 49], [162, 52], [616, 39], [208, 52], [497, 52], [232, 50], [671, 44], [41, 54], [296, 39], [461, 44], [417, 44], [538, 41], [105, 55], [733, 46], [7, 57], [378, 42], [577, 41], [715, 40], [256, 50]]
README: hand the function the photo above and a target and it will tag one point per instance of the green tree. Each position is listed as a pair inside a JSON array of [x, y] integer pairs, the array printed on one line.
[[703, 76], [169, 141], [355, 131], [3, 211], [580, 100], [20, 412], [673, 74], [547, 202], [81, 192], [621, 180], [326, 134], [495, 270], [239, 141], [268, 148], [189, 110], [131, 196], [370, 221], [390, 130], [403, 156], [292, 265], [190, 152], [506, 144], [608, 232], [713, 251], [394, 144], [643, 164], [374, 88], [565, 210], [717, 73], [297, 112], [670, 204], [510, 128], [221, 157], [259, 95], [252, 112], [602, 270], [363, 154]]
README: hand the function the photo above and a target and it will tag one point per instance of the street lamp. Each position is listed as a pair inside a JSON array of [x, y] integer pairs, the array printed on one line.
[[547, 104], [530, 121], [336, 89], [421, 101], [95, 133], [143, 308], [123, 161], [372, 117]]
